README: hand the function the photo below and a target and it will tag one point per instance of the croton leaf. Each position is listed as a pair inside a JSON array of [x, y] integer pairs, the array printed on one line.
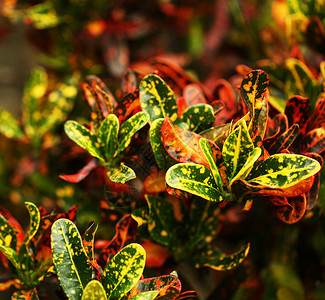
[[88, 240], [197, 117], [163, 159], [34, 222], [108, 136], [284, 170], [293, 212], [253, 89], [161, 220], [7, 234], [237, 149], [129, 82], [34, 90], [297, 110], [25, 295], [315, 141], [181, 144], [157, 98], [70, 259], [121, 174], [11, 255], [83, 138], [149, 295], [168, 287], [125, 232], [129, 128], [94, 290], [318, 117], [123, 271], [9, 126], [214, 258], [82, 174], [195, 179], [217, 134]]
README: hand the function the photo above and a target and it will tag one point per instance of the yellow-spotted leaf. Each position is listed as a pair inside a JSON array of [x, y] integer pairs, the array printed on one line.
[[122, 174], [197, 117], [70, 259], [150, 295], [25, 295], [236, 150], [284, 170], [7, 234], [129, 128], [9, 126], [94, 290], [161, 220], [253, 89], [34, 90], [83, 138], [123, 271], [34, 222], [108, 136], [11, 255], [195, 179], [157, 98], [163, 159], [215, 259]]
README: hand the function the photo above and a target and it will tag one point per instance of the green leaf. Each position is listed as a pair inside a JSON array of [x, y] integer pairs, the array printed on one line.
[[34, 222], [129, 128], [215, 259], [83, 138], [284, 170], [197, 117], [121, 174], [70, 259], [150, 295], [206, 148], [108, 136], [163, 159], [34, 90], [123, 271], [9, 126], [236, 150], [94, 290], [161, 220], [7, 234], [157, 98], [195, 179], [11, 255]]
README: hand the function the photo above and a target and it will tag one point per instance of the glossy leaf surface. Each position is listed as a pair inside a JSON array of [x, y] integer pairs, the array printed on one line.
[[123, 271], [121, 174], [34, 222], [70, 259], [157, 98], [94, 290], [108, 136]]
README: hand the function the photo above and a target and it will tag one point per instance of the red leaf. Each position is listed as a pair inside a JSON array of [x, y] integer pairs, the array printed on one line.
[[182, 145], [155, 183], [156, 255], [315, 141], [318, 117], [82, 174], [293, 212]]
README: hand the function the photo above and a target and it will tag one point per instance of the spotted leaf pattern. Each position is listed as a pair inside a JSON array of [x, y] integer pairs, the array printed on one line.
[[157, 98], [9, 126], [94, 290], [108, 136], [121, 174], [7, 233], [123, 271], [88, 240], [70, 259], [34, 222]]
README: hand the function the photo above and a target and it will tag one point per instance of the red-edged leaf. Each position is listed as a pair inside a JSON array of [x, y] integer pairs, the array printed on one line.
[[297, 110], [293, 212], [279, 201], [181, 144], [82, 174], [129, 105], [224, 92], [318, 117], [125, 232], [187, 295], [20, 235], [314, 141], [193, 94]]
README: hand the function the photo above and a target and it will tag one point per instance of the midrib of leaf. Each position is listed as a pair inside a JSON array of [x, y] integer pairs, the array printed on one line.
[[155, 93], [235, 159], [121, 277], [72, 259], [188, 147], [200, 183]]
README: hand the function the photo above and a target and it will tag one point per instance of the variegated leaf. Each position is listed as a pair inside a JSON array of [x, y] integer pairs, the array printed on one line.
[[94, 290], [197, 117], [70, 259], [83, 138], [215, 259], [161, 220], [129, 128], [181, 144], [163, 159], [217, 134], [7, 233], [315, 141], [123, 271], [195, 179], [25, 295], [9, 126], [150, 295], [108, 136], [236, 150], [157, 98], [11, 255], [122, 174], [88, 240], [293, 212], [284, 170], [34, 222]]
